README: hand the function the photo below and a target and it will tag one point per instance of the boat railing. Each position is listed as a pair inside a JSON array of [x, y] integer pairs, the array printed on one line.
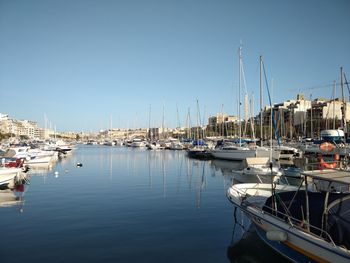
[[299, 224], [317, 166]]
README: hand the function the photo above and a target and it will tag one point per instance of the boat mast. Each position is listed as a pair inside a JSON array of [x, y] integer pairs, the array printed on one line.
[[188, 120], [163, 133], [177, 115], [311, 124], [222, 132], [271, 137], [334, 105], [149, 124], [252, 126], [199, 123], [261, 105], [344, 103], [239, 95]]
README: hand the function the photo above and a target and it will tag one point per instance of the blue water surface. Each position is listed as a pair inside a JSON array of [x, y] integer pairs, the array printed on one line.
[[122, 205]]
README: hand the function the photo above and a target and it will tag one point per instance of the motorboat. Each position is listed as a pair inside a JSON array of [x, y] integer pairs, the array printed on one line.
[[238, 152], [305, 223], [154, 146], [258, 170], [137, 142], [288, 152], [9, 175]]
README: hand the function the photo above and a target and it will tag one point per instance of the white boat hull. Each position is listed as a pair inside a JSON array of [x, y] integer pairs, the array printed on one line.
[[236, 155], [8, 175]]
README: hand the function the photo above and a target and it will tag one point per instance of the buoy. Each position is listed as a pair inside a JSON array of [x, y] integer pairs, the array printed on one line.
[[56, 174], [79, 164], [276, 235], [329, 165], [327, 146]]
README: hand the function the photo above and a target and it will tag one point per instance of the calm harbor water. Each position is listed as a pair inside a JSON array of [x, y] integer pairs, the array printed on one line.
[[129, 205]]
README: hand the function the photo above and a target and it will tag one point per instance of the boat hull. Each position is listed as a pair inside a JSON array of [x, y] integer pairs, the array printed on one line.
[[236, 155], [299, 244], [8, 175]]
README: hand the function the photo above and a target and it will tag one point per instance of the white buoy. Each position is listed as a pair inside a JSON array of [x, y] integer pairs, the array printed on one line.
[[56, 174]]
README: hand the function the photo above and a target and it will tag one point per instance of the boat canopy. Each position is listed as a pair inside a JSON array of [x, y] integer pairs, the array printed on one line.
[[335, 220]]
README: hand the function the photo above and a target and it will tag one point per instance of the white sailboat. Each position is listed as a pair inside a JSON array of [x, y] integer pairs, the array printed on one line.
[[240, 152]]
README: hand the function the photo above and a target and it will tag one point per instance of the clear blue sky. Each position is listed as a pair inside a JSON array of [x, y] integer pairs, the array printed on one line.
[[81, 62]]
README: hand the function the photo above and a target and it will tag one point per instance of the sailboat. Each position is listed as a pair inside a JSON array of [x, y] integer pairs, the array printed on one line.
[[199, 149], [240, 152]]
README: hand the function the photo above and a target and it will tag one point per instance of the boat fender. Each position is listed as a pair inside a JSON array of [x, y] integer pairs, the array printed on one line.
[[276, 235]]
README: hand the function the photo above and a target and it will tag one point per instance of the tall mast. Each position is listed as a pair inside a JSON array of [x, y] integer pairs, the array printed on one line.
[[163, 128], [252, 117], [344, 102], [261, 105], [334, 105], [198, 120], [239, 95], [222, 132], [149, 124], [110, 128], [311, 124], [177, 115]]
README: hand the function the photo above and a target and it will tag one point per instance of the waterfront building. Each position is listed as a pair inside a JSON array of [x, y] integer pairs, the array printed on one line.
[[221, 125], [20, 128]]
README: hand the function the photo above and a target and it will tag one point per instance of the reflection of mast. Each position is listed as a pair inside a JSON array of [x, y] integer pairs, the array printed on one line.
[[179, 171], [164, 175], [110, 164], [189, 171], [201, 186], [149, 169]]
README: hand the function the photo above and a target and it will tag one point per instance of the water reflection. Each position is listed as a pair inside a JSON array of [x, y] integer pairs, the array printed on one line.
[[246, 246], [13, 196], [40, 169], [251, 248], [226, 167]]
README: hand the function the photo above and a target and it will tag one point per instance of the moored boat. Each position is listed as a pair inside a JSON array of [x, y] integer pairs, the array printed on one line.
[[303, 225]]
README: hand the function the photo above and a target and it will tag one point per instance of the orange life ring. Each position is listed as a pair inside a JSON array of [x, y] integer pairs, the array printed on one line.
[[329, 165], [327, 146]]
